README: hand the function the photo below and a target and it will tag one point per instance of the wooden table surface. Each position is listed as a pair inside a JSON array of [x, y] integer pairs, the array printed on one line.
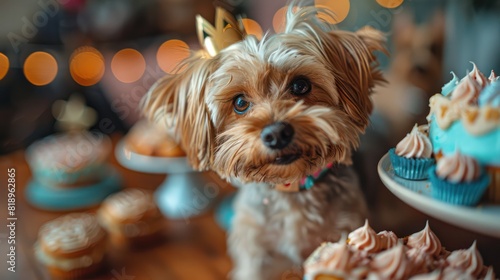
[[194, 249], [191, 249]]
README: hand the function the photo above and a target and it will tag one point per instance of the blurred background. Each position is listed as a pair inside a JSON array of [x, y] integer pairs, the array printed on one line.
[[111, 51], [101, 56]]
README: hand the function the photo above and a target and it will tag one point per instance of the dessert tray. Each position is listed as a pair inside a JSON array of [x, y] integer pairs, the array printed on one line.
[[484, 218], [183, 193]]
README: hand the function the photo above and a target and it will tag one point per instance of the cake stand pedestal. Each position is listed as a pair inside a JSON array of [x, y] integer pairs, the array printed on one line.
[[185, 193]]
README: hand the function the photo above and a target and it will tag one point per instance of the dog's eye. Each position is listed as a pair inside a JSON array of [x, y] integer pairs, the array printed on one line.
[[240, 104], [300, 86]]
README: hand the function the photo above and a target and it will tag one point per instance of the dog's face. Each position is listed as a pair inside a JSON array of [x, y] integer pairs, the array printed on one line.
[[274, 110]]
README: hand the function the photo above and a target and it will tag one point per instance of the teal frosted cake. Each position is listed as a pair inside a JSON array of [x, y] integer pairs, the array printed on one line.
[[465, 118]]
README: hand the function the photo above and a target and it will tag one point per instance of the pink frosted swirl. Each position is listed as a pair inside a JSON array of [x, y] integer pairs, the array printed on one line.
[[331, 257], [425, 240], [490, 274], [458, 168], [415, 145], [466, 92], [478, 76], [469, 260], [388, 239], [392, 264], [71, 232], [365, 239], [493, 77], [131, 203], [420, 260]]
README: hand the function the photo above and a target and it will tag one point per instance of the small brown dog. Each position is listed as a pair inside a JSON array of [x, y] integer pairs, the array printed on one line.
[[275, 114]]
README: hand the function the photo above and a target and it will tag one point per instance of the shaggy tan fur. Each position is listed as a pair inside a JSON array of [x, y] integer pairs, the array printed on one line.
[[273, 230]]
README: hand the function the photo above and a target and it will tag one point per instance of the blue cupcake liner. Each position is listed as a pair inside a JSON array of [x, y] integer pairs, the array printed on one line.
[[411, 168], [466, 193]]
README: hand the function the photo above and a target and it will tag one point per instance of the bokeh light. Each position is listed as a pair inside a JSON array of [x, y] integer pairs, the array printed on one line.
[[4, 65], [170, 54], [86, 66], [279, 20], [340, 9], [40, 68], [390, 3], [128, 65], [252, 27]]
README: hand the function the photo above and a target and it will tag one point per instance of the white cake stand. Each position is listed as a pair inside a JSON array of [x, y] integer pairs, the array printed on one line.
[[484, 218], [185, 193]]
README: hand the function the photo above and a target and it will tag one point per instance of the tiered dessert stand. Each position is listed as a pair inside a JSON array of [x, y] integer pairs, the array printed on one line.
[[185, 193]]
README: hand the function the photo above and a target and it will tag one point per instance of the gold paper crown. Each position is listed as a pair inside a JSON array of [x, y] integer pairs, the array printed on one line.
[[227, 31]]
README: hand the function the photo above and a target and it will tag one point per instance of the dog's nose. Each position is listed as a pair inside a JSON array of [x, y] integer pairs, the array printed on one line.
[[277, 135]]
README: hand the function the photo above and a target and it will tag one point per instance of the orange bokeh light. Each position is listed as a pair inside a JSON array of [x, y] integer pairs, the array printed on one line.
[[390, 3], [170, 54], [279, 20], [86, 66], [252, 27], [40, 68], [128, 65], [4, 65], [340, 9]]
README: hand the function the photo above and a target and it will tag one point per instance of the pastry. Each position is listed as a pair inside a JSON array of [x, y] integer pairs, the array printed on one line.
[[71, 246], [131, 217]]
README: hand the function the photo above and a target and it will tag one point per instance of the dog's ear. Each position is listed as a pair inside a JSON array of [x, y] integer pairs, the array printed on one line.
[[178, 101], [355, 67]]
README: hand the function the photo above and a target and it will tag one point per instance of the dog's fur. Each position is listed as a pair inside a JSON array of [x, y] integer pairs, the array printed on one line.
[[272, 226]]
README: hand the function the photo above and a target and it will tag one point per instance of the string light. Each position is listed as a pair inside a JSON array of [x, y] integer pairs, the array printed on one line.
[[128, 65], [170, 54], [390, 4], [4, 65], [86, 66], [252, 27], [340, 9], [40, 68]]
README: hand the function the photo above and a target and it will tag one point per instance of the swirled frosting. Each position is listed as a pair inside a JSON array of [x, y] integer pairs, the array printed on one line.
[[490, 95], [331, 257], [468, 260], [365, 238], [458, 168], [414, 145], [420, 260], [451, 85], [490, 274], [471, 110], [425, 240], [493, 77], [388, 239], [130, 204], [392, 263], [466, 92], [478, 76], [71, 232], [70, 151]]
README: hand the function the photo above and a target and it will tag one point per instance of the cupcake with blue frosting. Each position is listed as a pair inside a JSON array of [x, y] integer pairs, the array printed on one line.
[[465, 117], [412, 157]]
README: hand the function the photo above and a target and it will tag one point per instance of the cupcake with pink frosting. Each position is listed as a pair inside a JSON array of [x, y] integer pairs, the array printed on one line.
[[412, 157], [458, 179]]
